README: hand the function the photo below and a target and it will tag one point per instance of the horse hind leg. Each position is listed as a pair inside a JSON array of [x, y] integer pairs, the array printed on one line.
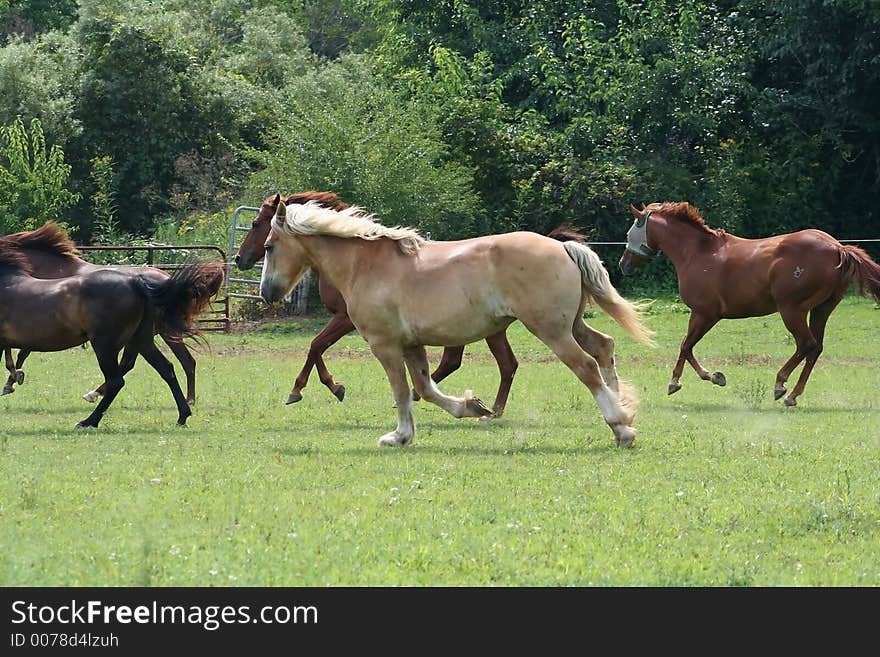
[[617, 410], [188, 363], [163, 366], [795, 321], [468, 406], [507, 366], [818, 320], [108, 361], [450, 361]]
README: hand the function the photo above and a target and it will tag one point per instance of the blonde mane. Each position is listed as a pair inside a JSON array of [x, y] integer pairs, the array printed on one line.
[[314, 219]]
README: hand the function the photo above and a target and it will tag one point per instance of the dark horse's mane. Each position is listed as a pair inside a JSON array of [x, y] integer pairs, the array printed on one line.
[[683, 211], [566, 233], [327, 199], [12, 258], [50, 237]]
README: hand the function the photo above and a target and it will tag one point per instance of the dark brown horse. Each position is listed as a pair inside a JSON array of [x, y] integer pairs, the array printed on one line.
[[252, 250], [51, 254], [722, 276], [113, 310]]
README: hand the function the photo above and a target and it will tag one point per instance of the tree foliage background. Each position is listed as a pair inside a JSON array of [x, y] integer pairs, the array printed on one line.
[[459, 117]]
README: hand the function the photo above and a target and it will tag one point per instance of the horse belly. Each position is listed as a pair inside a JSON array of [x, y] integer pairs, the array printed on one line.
[[32, 338]]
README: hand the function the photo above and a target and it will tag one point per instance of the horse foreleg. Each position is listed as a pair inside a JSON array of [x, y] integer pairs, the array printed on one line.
[[468, 406], [338, 326], [698, 326], [450, 361], [188, 363], [507, 366], [391, 358]]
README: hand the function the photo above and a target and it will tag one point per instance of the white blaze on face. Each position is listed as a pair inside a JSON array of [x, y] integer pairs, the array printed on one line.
[[265, 276]]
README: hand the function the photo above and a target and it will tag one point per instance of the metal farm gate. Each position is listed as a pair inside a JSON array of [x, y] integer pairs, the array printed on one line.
[[216, 318], [244, 285]]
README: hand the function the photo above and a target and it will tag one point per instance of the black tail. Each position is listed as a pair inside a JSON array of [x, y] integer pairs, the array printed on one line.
[[182, 297]]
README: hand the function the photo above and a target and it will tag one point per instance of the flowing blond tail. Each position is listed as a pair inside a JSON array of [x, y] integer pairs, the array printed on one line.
[[598, 285]]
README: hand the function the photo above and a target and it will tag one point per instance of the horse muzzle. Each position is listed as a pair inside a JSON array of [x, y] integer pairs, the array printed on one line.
[[244, 262], [271, 293], [626, 265]]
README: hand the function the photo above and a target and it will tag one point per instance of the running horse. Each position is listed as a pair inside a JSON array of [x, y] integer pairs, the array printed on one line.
[[114, 310], [251, 251], [722, 276], [404, 292], [50, 254]]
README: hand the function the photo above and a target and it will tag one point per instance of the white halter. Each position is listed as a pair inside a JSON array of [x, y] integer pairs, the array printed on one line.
[[637, 237]]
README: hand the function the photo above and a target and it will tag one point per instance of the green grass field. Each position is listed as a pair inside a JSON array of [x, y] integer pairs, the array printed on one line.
[[724, 487]]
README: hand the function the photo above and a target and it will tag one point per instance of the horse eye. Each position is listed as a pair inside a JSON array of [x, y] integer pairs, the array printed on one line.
[[269, 248]]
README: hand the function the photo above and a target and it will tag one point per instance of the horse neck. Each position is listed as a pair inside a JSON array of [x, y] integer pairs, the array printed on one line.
[[336, 259], [681, 241]]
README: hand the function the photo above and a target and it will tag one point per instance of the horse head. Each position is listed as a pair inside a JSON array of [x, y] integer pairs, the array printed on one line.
[[251, 249], [285, 263], [637, 251]]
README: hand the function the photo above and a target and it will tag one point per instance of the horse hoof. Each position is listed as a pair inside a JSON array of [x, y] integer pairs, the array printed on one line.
[[477, 408], [718, 379], [673, 388], [339, 393], [190, 402], [7, 391], [19, 377], [778, 392], [790, 401], [624, 436], [293, 398], [91, 397], [393, 440], [84, 425]]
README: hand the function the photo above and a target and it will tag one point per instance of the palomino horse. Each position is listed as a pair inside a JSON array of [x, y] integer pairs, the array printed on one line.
[[51, 254], [113, 310], [404, 292], [251, 250], [721, 276]]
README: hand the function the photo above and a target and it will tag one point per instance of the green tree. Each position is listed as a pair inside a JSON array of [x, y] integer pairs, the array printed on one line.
[[32, 178], [342, 130]]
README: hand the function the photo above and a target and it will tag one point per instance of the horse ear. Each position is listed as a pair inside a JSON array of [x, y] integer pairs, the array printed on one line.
[[280, 212], [635, 213], [277, 199]]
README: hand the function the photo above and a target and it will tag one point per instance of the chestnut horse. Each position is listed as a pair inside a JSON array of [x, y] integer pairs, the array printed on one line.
[[722, 276], [51, 254], [113, 310], [404, 292], [251, 251]]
